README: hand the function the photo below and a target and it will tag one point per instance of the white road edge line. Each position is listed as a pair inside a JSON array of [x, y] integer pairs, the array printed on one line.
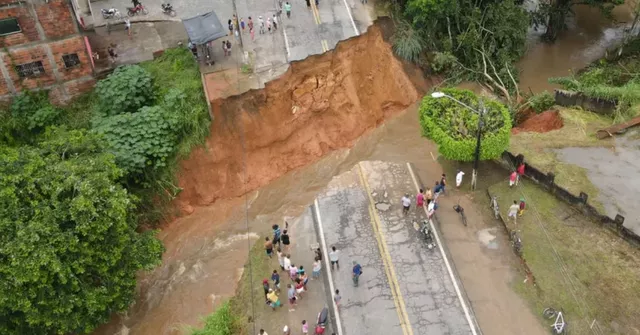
[[328, 267], [446, 261], [286, 41], [353, 23]]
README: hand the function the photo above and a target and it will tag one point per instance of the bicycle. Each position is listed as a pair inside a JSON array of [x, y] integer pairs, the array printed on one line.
[[460, 211], [496, 208], [516, 242], [559, 326]]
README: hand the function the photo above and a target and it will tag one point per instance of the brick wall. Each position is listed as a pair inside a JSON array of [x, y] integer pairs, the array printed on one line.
[[55, 19], [73, 45], [27, 24], [4, 89], [28, 55]]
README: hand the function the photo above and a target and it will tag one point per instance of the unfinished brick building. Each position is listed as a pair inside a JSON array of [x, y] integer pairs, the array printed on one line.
[[42, 48]]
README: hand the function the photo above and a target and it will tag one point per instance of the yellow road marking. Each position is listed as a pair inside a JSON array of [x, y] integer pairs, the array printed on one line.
[[325, 45], [315, 12], [386, 259]]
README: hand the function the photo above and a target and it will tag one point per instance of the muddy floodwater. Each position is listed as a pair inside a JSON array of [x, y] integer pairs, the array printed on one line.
[[588, 37], [616, 173]]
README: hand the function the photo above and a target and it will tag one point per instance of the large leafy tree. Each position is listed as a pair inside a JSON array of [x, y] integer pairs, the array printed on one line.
[[454, 127], [69, 250]]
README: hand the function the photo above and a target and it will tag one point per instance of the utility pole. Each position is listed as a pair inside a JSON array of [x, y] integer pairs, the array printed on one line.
[[476, 161]]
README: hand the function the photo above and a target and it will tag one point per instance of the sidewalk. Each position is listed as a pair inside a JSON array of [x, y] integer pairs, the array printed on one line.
[[303, 236]]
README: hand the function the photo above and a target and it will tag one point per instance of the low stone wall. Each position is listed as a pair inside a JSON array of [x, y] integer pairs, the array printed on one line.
[[570, 98], [547, 180]]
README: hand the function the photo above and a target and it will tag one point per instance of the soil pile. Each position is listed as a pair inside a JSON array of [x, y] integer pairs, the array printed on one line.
[[322, 103], [540, 123]]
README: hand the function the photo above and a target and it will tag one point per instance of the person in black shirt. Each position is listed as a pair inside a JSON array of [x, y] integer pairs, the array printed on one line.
[[285, 240]]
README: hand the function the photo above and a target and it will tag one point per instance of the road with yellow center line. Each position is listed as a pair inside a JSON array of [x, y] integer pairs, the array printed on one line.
[[316, 16]]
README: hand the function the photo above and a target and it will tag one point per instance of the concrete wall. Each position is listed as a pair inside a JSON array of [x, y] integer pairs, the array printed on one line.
[[570, 98], [547, 180], [49, 32]]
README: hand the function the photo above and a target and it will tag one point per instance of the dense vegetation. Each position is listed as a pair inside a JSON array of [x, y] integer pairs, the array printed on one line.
[[618, 81], [77, 185], [455, 127]]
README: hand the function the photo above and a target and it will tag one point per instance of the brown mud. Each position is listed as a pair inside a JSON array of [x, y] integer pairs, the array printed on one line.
[[540, 123], [320, 104]]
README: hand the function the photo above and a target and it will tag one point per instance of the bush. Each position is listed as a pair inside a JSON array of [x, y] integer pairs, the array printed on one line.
[[407, 43], [126, 90], [542, 101], [31, 113], [69, 250], [141, 140], [454, 127], [221, 322]]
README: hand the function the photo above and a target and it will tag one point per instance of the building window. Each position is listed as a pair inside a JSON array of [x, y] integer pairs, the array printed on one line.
[[71, 60], [9, 26], [34, 69]]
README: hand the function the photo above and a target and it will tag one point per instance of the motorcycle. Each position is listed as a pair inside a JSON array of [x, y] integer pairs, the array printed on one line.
[[109, 13], [425, 231], [168, 9], [321, 324], [139, 9]]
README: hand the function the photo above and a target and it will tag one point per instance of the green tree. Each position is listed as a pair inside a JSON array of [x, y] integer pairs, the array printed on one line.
[[552, 14], [126, 90], [454, 127], [69, 250]]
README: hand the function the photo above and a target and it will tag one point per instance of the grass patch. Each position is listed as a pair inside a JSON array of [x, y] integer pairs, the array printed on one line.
[[236, 314], [578, 131], [602, 266]]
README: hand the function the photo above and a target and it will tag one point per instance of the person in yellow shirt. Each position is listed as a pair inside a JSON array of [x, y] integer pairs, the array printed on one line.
[[273, 298]]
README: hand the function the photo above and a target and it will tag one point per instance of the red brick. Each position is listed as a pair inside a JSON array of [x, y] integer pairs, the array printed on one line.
[[27, 24], [77, 87], [70, 46], [28, 55], [55, 19], [4, 89]]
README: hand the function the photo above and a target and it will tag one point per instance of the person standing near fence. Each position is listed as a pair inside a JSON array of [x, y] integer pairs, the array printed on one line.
[[520, 171]]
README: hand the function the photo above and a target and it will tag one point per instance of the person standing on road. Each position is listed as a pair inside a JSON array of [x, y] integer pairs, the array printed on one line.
[[229, 47], [521, 207], [318, 255], [429, 195], [443, 183], [287, 9], [280, 258], [273, 298], [242, 24], [459, 178], [420, 199], [276, 234], [265, 286], [513, 211], [357, 271], [286, 330], [287, 263], [230, 26], [285, 240], [275, 277], [333, 257], [275, 22], [406, 204], [308, 4], [317, 266], [261, 24], [268, 247], [224, 48], [337, 298], [251, 31], [520, 171], [262, 332], [291, 294], [437, 190], [127, 27], [431, 208], [269, 25], [305, 327], [293, 272]]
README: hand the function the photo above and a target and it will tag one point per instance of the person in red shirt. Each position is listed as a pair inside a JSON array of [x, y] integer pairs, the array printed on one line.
[[520, 171], [512, 178]]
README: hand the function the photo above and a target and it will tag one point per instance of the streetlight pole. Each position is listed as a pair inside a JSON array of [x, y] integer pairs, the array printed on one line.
[[476, 160]]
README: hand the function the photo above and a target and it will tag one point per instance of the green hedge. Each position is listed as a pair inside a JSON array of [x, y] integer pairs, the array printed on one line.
[[454, 127]]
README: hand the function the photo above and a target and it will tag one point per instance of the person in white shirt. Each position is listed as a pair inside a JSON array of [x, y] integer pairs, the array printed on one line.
[[431, 209], [513, 211], [459, 178], [262, 332], [406, 204], [333, 257], [287, 262]]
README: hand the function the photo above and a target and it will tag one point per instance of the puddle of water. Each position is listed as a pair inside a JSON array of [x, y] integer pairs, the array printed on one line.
[[615, 172], [488, 238], [588, 36], [383, 206]]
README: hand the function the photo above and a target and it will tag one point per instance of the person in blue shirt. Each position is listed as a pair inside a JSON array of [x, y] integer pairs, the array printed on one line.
[[276, 234], [357, 271]]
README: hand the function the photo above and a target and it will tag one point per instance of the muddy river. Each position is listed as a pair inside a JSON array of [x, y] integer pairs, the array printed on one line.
[[207, 249]]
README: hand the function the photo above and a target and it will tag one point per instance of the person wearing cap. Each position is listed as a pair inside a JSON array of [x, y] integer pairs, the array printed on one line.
[[406, 204], [521, 207]]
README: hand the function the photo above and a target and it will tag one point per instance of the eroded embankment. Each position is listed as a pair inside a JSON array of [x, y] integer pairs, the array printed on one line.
[[320, 104]]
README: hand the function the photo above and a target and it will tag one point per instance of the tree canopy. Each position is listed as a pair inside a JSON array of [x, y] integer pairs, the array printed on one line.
[[69, 250], [454, 127]]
